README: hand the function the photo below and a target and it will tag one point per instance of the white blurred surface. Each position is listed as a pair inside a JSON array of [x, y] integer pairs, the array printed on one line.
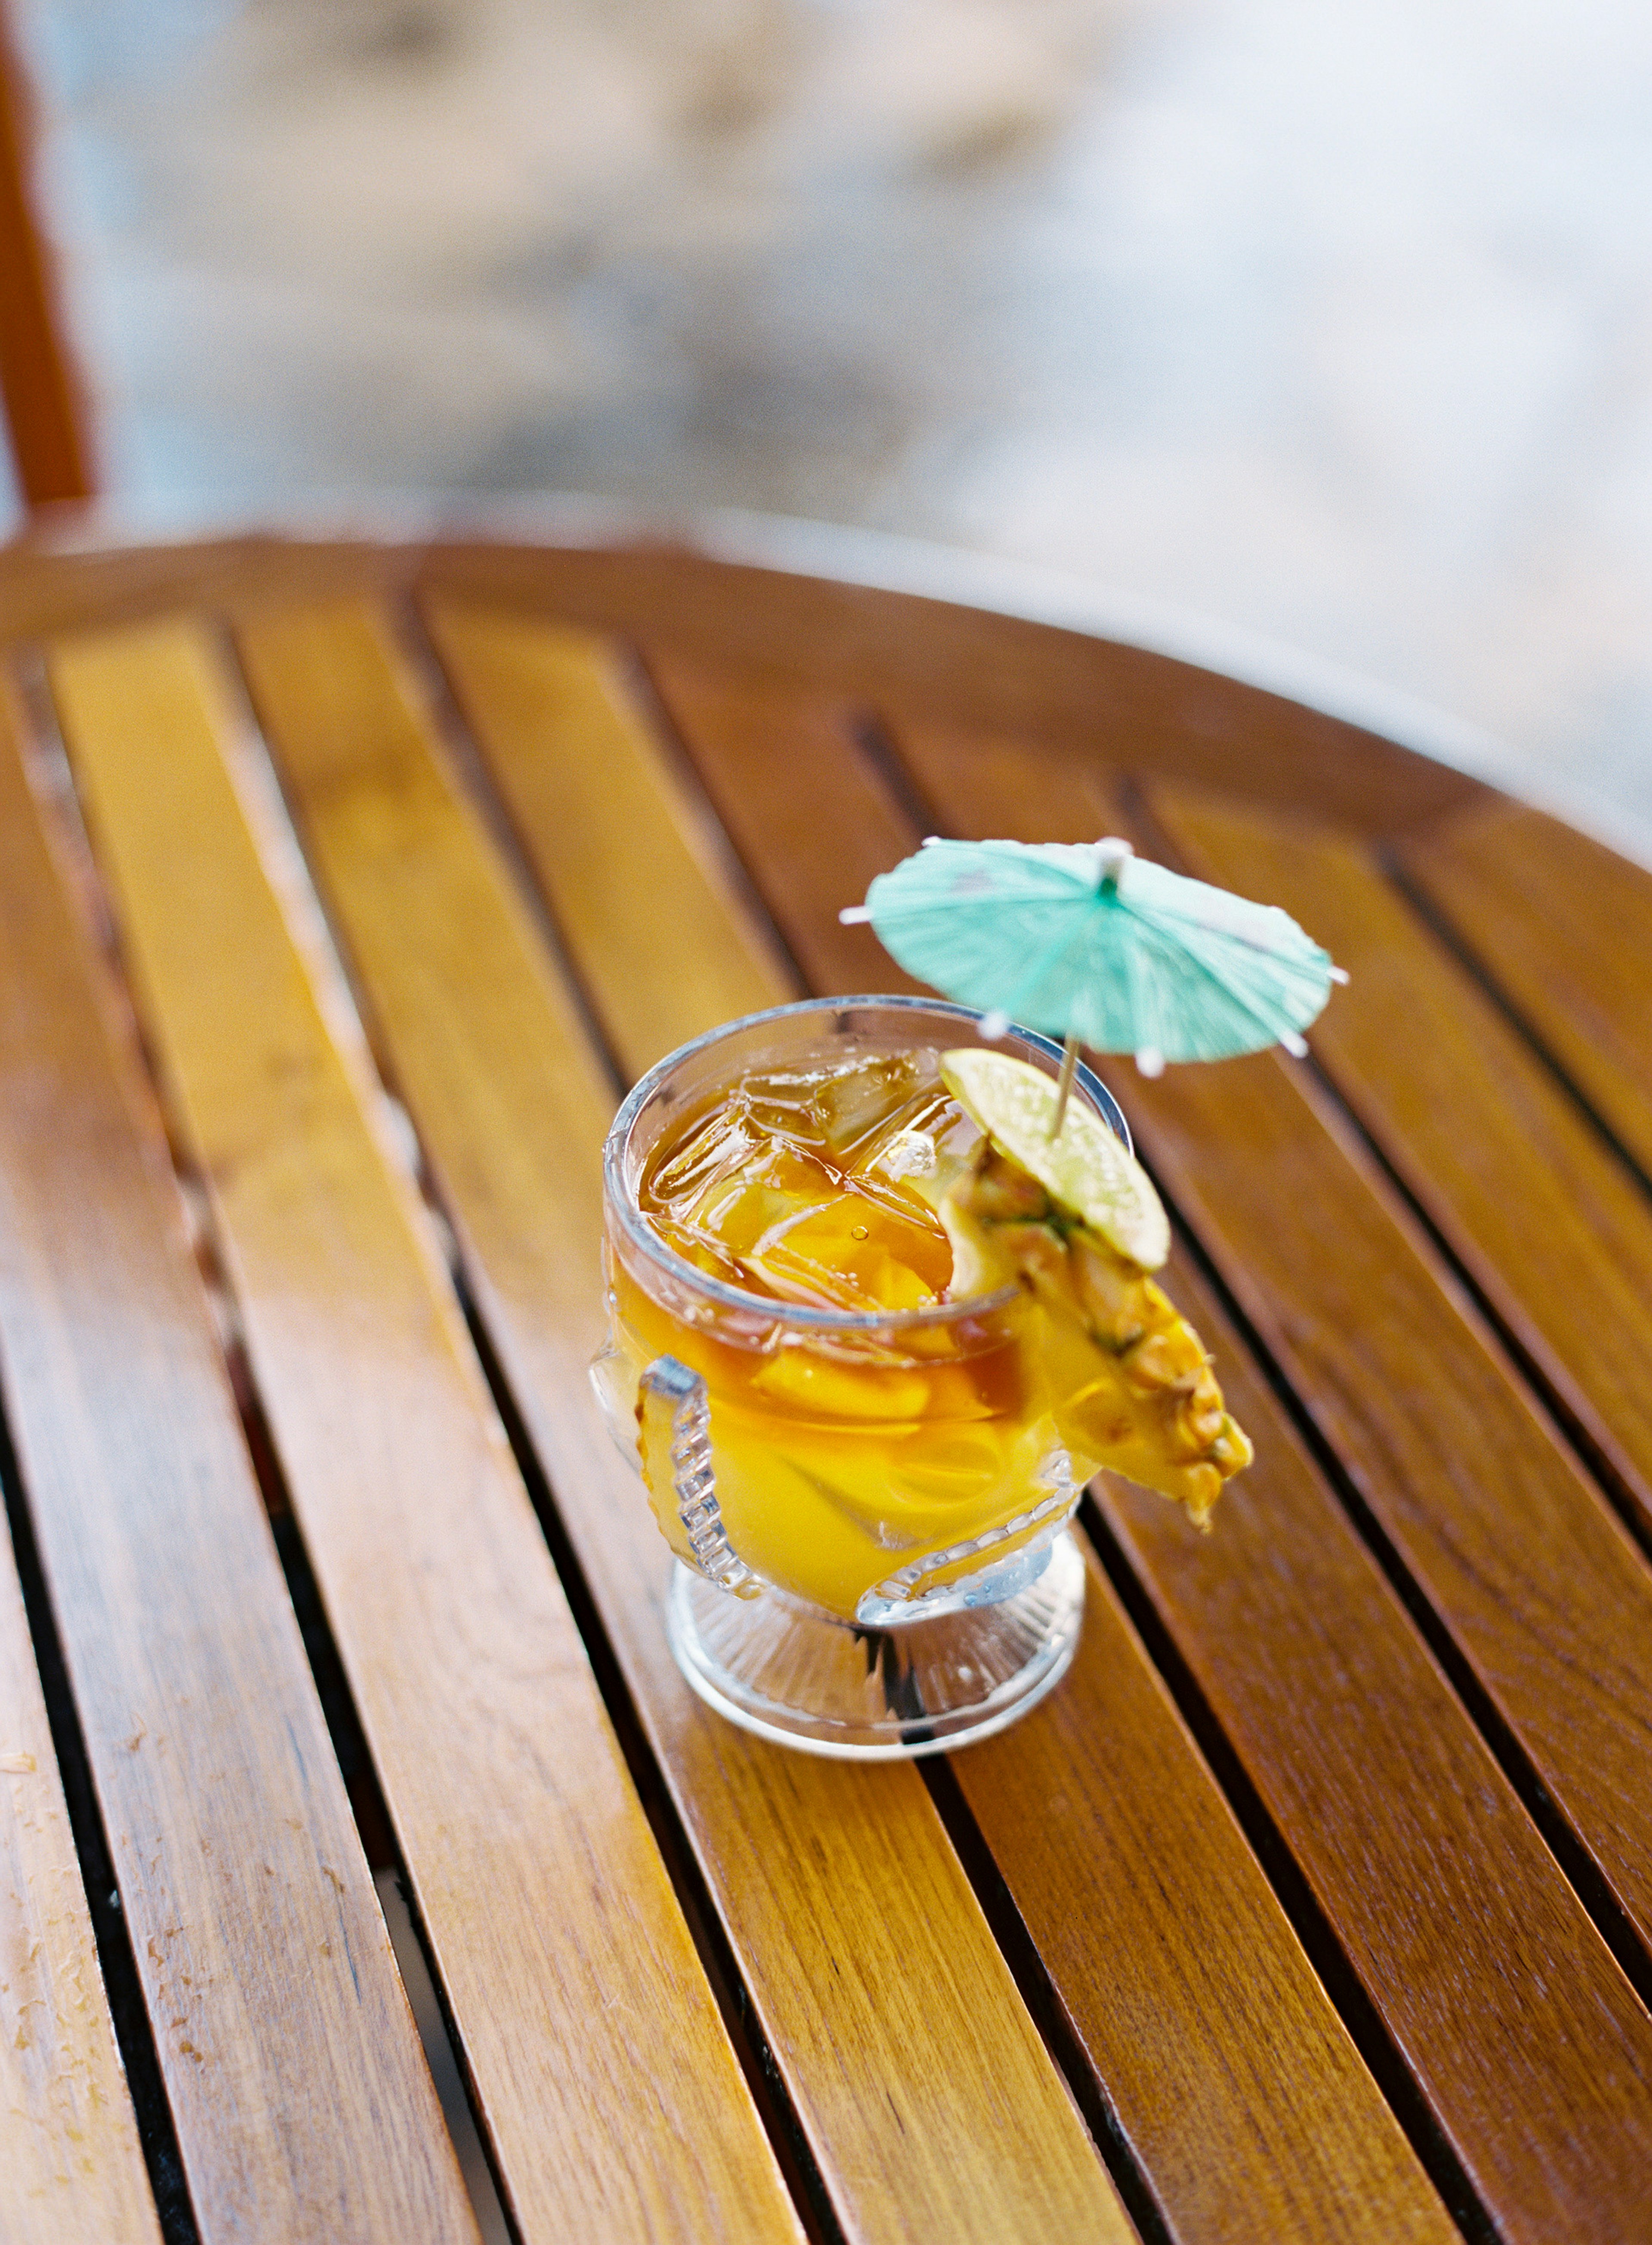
[[1328, 321]]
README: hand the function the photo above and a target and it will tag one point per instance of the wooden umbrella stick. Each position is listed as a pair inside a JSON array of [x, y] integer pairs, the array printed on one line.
[[1064, 1084]]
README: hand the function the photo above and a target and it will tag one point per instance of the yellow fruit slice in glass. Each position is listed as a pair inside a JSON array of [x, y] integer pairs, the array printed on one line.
[[1086, 1171]]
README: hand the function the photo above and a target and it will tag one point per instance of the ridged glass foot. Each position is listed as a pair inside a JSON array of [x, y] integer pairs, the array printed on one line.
[[790, 1674]]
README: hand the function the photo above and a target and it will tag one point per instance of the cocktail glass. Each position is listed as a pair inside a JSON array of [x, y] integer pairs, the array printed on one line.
[[869, 1510]]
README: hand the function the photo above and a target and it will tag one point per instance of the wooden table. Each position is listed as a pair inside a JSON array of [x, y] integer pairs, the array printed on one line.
[[342, 887]]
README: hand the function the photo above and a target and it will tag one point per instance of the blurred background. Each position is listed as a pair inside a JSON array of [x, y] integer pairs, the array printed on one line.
[[1330, 321]]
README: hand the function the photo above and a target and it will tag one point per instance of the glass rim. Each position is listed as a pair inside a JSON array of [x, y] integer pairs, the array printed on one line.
[[641, 1234]]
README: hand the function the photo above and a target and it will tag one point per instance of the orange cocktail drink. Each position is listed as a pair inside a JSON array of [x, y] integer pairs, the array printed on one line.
[[833, 1424]]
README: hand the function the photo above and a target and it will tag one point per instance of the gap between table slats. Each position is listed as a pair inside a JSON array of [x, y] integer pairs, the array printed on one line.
[[912, 2065], [1563, 927], [55, 790], [850, 642], [600, 809], [608, 2086], [295, 2117], [72, 2167], [1554, 1233], [748, 743], [1263, 2040], [1490, 1556], [1532, 1038], [1487, 1203], [624, 779], [1595, 1759]]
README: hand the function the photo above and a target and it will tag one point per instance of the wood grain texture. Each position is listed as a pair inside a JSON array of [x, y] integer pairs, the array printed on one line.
[[301, 2097], [1080, 693], [602, 594], [1256, 2081], [1077, 692], [71, 2168], [1467, 1938], [916, 2072], [1513, 1542], [1310, 1673], [1564, 927], [81, 569], [1554, 1230], [613, 2098], [1535, 1577], [595, 803], [804, 805], [1252, 2114]]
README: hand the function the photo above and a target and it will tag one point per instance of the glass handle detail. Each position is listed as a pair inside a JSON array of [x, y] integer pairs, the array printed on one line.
[[673, 1420]]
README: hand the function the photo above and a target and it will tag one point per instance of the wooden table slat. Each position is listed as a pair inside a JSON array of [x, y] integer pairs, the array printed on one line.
[[598, 807], [805, 806], [914, 2067], [72, 2167], [1564, 925], [1598, 2120], [1554, 1232], [614, 2100], [1518, 1550], [301, 2099]]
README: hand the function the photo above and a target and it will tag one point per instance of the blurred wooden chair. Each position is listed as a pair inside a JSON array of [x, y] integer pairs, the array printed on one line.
[[45, 407]]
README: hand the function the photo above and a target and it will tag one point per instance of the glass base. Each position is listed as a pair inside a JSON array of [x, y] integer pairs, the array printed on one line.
[[794, 1675]]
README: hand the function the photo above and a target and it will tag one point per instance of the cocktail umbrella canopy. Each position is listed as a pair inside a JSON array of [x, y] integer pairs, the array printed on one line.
[[1092, 943]]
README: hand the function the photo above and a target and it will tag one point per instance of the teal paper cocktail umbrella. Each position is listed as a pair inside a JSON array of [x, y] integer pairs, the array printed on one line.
[[1092, 943]]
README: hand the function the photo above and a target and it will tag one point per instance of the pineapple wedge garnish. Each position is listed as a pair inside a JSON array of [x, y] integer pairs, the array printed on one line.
[[1134, 1389]]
